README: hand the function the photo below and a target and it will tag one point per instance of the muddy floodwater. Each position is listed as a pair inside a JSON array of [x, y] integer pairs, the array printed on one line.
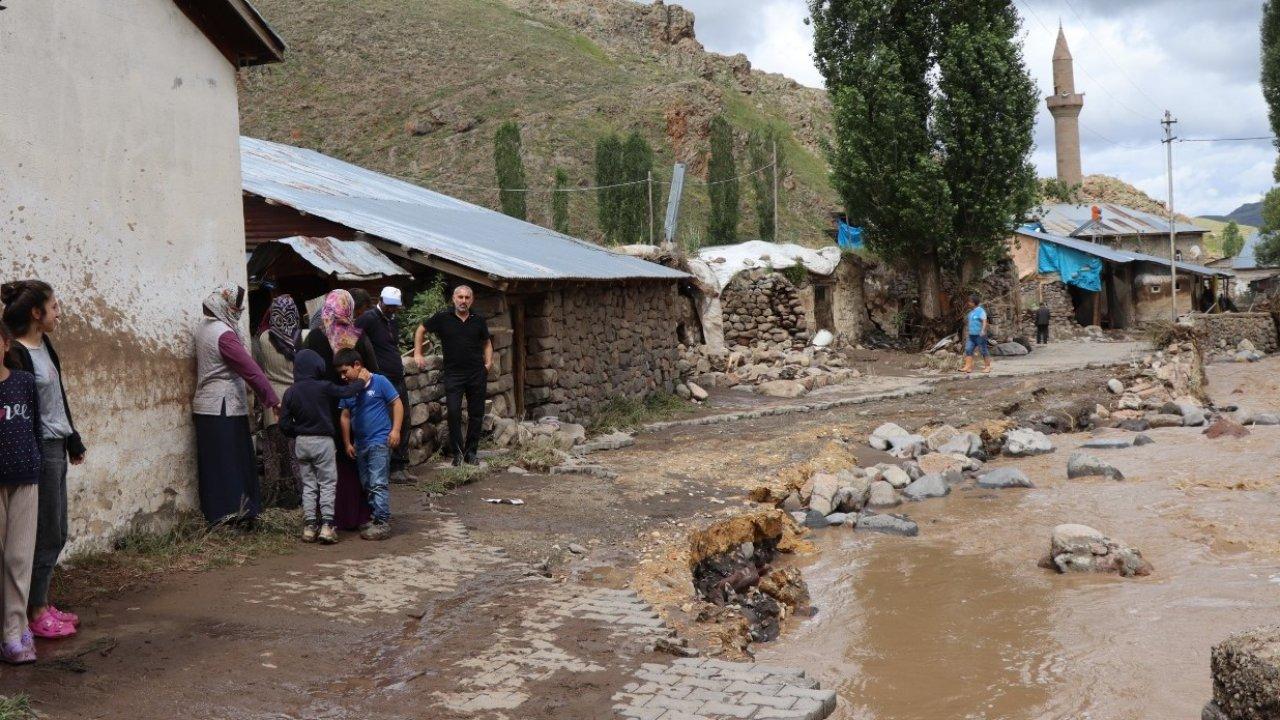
[[961, 623]]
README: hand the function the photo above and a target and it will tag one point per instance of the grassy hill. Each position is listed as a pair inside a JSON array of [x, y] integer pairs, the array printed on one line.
[[1247, 214], [1213, 240], [417, 88]]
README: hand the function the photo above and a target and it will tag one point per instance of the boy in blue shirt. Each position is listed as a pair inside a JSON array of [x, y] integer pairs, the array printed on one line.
[[374, 418], [977, 342]]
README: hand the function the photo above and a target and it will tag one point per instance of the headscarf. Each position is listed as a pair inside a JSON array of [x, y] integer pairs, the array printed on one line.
[[222, 304], [339, 321], [284, 326]]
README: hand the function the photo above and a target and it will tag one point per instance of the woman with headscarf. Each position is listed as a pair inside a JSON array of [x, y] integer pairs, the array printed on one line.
[[338, 331], [228, 476], [274, 351]]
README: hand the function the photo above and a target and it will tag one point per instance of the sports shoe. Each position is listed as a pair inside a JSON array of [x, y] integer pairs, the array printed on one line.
[[19, 653], [328, 535], [377, 530], [309, 532], [51, 628], [66, 617]]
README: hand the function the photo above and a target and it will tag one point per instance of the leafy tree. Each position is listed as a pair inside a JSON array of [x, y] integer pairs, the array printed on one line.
[[876, 56], [1270, 32], [637, 163], [722, 185], [1058, 191], [510, 170], [1232, 240], [1267, 251], [760, 146], [560, 203], [983, 120], [609, 174]]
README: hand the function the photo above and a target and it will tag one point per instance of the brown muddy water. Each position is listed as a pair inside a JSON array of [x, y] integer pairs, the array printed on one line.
[[961, 623]]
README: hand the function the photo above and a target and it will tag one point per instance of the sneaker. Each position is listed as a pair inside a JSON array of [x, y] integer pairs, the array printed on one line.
[[328, 535], [364, 525], [19, 653], [457, 460], [309, 532], [377, 530], [471, 459], [66, 617], [51, 628]]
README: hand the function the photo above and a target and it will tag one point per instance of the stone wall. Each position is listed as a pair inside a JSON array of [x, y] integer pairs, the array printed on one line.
[[1062, 316], [1228, 329], [763, 309]]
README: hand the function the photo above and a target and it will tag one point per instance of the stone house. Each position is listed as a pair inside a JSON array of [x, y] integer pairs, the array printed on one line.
[[119, 130], [574, 325], [1252, 279], [1122, 228]]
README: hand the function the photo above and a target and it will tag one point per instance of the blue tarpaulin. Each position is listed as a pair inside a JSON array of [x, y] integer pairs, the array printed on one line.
[[1074, 267], [848, 237]]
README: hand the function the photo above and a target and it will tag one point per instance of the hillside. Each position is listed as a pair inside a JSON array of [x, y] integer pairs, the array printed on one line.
[[417, 88], [1246, 214]]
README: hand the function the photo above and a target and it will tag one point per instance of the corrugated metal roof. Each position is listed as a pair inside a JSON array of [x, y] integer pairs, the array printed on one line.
[[1119, 256], [351, 260], [1117, 221], [427, 221]]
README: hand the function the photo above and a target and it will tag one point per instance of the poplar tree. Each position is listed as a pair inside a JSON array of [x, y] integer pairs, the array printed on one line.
[[560, 203], [1270, 32], [722, 185], [1232, 240], [608, 174], [760, 146], [510, 171], [637, 163]]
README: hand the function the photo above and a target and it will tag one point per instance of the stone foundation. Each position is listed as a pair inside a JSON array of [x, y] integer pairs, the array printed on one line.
[[763, 309], [1228, 329]]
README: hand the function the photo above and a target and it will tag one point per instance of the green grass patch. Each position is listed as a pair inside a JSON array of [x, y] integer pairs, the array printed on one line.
[[17, 707], [138, 557], [450, 478], [629, 414]]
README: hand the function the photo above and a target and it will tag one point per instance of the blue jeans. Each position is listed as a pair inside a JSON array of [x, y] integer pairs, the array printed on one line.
[[374, 464], [977, 343]]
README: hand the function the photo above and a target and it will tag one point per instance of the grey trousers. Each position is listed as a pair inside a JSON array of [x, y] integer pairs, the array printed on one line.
[[319, 471], [51, 519], [17, 540]]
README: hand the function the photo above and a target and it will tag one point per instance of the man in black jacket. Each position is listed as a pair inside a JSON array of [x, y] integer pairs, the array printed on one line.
[[468, 355], [379, 324], [1043, 316]]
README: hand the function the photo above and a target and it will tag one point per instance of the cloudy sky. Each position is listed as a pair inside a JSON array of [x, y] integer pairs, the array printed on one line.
[[1134, 59]]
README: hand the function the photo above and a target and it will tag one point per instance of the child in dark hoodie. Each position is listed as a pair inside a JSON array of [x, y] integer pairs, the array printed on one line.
[[307, 416]]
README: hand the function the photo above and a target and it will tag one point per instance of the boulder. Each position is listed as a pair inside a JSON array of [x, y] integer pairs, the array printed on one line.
[[1109, 443], [1159, 420], [1260, 419], [1133, 425], [1194, 417], [815, 519], [853, 491], [887, 523], [781, 389], [895, 476], [938, 463], [882, 495], [1080, 548], [965, 443], [1025, 441], [940, 436], [908, 446], [1130, 401], [1005, 477], [929, 486], [1115, 386], [697, 392], [1082, 464], [1006, 349], [1247, 345], [1225, 427], [881, 436], [1246, 674], [913, 469], [792, 503], [838, 518], [1139, 440], [823, 495]]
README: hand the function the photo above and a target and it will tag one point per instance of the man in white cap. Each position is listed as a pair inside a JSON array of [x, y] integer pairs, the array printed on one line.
[[379, 324]]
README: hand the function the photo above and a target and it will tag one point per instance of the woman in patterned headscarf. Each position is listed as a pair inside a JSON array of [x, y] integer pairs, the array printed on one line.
[[274, 351], [224, 450], [337, 332]]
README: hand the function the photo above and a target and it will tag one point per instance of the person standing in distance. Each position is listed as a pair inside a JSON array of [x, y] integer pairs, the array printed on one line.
[[468, 355]]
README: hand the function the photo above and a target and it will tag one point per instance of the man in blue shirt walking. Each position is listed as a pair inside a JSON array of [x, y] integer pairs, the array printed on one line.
[[977, 340]]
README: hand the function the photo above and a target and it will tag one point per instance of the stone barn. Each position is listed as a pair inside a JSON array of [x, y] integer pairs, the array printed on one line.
[[121, 188], [575, 325]]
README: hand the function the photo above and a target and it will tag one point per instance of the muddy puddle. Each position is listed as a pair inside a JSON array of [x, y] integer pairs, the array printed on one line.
[[960, 623]]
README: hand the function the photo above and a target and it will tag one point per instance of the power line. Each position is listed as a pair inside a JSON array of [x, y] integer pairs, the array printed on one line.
[[1110, 57], [1268, 138]]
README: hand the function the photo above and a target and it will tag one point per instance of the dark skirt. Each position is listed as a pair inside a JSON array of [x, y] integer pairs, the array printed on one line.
[[228, 475], [350, 506]]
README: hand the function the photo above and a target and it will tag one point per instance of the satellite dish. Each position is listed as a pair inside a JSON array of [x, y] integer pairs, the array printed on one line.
[[1195, 252]]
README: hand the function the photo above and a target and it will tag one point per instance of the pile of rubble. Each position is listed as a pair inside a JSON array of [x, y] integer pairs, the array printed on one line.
[[1165, 389], [770, 371], [1243, 351], [763, 309]]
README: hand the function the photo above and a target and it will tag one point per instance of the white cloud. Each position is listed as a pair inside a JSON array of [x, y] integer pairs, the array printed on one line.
[[1133, 59]]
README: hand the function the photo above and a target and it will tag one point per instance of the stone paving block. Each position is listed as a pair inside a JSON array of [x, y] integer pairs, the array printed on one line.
[[719, 709], [773, 701], [826, 697], [678, 715], [685, 706], [690, 662], [710, 684], [740, 686], [778, 670], [813, 707], [765, 713], [640, 713]]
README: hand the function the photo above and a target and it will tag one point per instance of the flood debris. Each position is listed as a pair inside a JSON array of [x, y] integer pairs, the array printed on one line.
[[1246, 676], [1080, 548]]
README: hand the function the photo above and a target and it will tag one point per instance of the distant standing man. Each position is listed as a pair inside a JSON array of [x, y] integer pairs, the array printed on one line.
[[1042, 324], [977, 341], [380, 326], [468, 354]]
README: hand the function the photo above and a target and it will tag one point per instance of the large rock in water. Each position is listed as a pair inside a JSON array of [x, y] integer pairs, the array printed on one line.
[[781, 389], [882, 436], [896, 476], [1246, 675], [929, 486], [823, 496], [1080, 548], [1005, 477], [883, 495], [1082, 464], [886, 523], [1025, 441]]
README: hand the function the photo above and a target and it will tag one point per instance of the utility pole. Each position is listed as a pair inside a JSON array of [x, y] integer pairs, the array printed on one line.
[[775, 192], [651, 208], [1168, 123]]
